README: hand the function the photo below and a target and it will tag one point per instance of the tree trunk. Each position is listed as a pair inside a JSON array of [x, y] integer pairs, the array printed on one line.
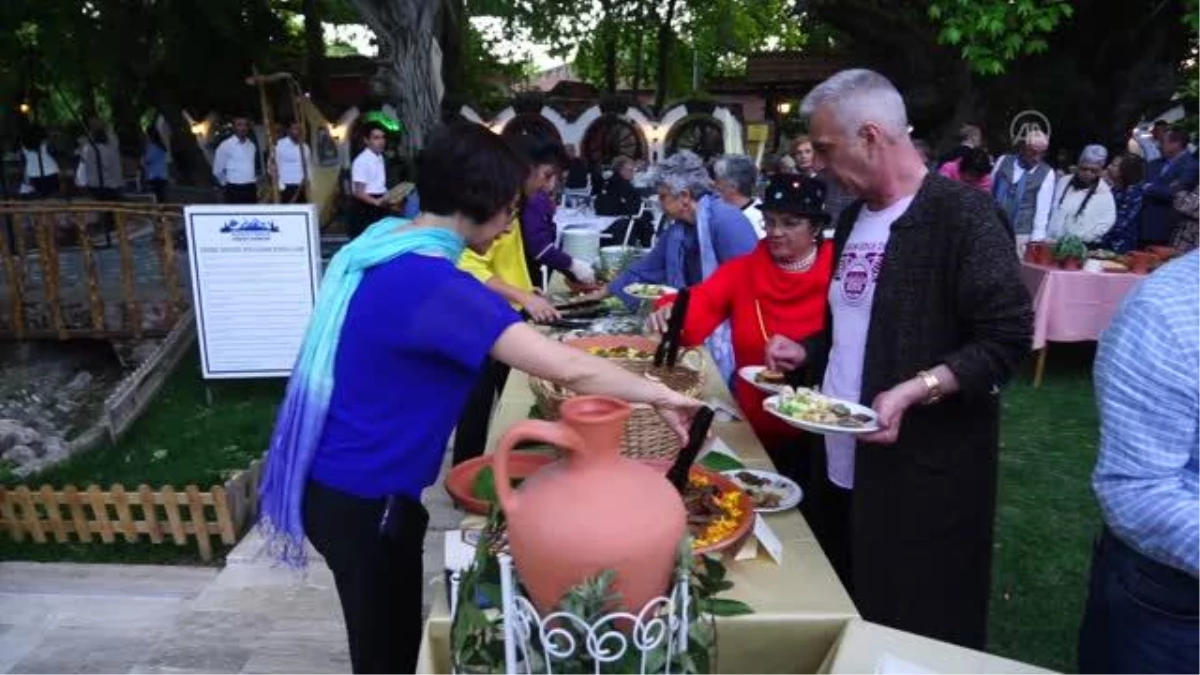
[[409, 73], [639, 60], [664, 52], [609, 26], [451, 37], [314, 49]]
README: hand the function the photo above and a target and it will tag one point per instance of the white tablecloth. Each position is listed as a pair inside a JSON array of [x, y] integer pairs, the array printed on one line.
[[572, 219]]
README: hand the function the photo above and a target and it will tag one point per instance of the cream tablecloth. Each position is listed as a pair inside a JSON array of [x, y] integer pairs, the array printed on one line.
[[866, 647], [800, 607]]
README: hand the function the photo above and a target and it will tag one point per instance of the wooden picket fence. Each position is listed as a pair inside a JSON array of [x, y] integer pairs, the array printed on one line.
[[166, 515]]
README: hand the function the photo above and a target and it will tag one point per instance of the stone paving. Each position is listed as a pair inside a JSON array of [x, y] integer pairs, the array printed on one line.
[[249, 617]]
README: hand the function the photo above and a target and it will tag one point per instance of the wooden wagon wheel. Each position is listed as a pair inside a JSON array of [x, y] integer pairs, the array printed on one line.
[[702, 135], [527, 124], [610, 137]]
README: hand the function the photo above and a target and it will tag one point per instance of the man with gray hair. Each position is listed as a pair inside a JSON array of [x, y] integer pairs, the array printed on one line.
[[1083, 203], [928, 318], [1023, 185], [704, 232], [736, 177]]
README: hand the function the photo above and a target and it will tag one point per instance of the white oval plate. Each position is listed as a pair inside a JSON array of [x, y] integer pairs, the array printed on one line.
[[748, 373], [641, 295], [771, 405], [790, 492]]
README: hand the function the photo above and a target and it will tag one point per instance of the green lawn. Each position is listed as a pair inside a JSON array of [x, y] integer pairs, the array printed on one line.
[[1046, 515], [180, 440]]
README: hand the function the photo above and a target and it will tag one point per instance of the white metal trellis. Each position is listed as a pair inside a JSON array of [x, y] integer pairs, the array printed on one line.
[[536, 644]]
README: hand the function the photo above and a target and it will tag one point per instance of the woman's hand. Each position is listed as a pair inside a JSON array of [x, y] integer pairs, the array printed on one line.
[[784, 355], [539, 308], [677, 411], [659, 319], [890, 406]]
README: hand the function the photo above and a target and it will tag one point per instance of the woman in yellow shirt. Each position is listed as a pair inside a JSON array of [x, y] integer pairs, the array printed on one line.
[[503, 269]]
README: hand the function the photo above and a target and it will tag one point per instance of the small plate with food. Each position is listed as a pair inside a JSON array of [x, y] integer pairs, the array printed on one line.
[[763, 378], [810, 410], [649, 291], [769, 491]]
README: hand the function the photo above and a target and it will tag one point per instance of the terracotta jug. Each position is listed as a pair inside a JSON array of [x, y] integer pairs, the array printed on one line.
[[594, 510]]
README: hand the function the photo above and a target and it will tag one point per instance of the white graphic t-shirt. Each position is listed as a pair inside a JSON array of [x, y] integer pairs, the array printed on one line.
[[850, 298]]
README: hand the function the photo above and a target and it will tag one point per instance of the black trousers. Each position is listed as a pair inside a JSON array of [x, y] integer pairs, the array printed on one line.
[[377, 566], [470, 437], [245, 193], [290, 192], [159, 187], [364, 215]]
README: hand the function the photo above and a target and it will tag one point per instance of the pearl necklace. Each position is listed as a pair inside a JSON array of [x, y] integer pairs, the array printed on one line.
[[801, 265]]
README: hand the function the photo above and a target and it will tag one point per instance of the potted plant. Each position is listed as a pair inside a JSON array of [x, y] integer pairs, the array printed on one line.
[[1140, 262], [1040, 253], [1070, 252]]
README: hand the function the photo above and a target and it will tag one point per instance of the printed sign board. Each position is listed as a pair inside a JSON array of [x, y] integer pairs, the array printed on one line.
[[255, 273]]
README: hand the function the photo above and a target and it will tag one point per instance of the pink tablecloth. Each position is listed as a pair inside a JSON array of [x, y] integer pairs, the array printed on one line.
[[1073, 306]]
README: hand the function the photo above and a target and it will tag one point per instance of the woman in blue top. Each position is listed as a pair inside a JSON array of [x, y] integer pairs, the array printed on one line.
[[395, 343], [154, 164], [705, 232]]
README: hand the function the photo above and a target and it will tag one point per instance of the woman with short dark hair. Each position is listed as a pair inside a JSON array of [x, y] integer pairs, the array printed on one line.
[[1125, 173], [394, 345]]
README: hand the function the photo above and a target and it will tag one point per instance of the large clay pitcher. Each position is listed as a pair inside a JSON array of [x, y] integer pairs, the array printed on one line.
[[592, 511]]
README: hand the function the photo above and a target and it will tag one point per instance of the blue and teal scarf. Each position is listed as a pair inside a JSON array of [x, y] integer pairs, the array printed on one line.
[[302, 415]]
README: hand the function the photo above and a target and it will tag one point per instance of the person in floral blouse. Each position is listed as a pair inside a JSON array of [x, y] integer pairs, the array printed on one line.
[[1125, 174]]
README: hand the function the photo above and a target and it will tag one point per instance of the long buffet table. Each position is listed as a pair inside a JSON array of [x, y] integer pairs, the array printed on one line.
[[803, 620], [800, 606]]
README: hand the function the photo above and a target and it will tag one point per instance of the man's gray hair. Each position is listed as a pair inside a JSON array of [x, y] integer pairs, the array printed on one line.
[[855, 97], [681, 171], [739, 170]]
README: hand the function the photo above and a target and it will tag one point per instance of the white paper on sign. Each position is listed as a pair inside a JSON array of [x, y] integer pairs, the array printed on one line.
[[769, 540], [888, 664]]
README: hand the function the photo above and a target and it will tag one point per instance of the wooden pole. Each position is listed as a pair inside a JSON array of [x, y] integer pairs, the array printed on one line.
[[261, 82]]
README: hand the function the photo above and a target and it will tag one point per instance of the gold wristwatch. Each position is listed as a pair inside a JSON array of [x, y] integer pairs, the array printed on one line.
[[933, 387]]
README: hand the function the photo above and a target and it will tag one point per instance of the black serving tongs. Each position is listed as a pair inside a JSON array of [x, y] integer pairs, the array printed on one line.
[[668, 349], [697, 434]]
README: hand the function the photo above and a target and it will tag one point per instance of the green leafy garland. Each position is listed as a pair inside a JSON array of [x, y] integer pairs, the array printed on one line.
[[477, 635]]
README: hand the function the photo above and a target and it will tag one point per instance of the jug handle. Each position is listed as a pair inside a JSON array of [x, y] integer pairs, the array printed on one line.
[[553, 433]]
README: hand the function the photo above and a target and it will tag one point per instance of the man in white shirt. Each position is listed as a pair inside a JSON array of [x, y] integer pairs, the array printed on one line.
[[234, 165], [293, 163], [1023, 185], [368, 177]]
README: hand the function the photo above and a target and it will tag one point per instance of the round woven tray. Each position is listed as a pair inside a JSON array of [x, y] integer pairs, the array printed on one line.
[[647, 437]]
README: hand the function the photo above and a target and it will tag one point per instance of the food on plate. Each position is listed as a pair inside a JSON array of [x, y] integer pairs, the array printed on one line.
[[768, 376], [713, 513], [764, 492], [809, 405], [720, 462], [649, 291], [1113, 266], [621, 352], [1102, 254]]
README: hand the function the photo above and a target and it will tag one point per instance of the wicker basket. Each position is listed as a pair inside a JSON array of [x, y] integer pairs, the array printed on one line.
[[647, 437]]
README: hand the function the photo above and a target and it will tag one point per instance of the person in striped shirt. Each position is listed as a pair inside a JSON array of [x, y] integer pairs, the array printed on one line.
[[1141, 613]]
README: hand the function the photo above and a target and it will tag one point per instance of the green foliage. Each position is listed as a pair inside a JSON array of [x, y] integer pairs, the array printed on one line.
[[1070, 246], [477, 635], [992, 33]]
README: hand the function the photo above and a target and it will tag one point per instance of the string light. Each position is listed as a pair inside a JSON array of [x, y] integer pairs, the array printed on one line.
[[24, 108]]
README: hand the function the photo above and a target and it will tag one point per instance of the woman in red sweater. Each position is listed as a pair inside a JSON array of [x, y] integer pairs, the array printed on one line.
[[779, 288]]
